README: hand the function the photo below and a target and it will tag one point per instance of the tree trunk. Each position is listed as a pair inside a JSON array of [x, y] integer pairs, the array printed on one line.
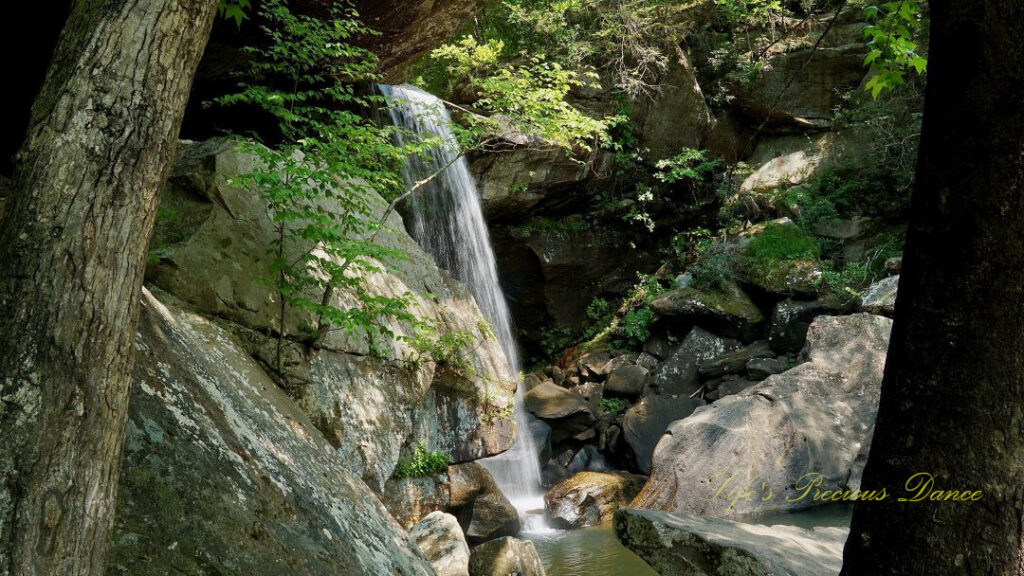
[[952, 400], [72, 253]]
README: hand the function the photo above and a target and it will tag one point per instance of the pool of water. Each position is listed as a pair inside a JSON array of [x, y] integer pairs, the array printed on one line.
[[587, 552], [597, 552]]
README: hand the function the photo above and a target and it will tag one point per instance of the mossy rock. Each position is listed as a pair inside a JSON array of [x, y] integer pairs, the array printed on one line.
[[727, 310]]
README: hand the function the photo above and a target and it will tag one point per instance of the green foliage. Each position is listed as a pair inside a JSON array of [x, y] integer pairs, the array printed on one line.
[[527, 97], [613, 405], [749, 12], [714, 268], [634, 327], [234, 10], [778, 244], [555, 339], [452, 349], [690, 166], [892, 49], [319, 182], [422, 463], [842, 287]]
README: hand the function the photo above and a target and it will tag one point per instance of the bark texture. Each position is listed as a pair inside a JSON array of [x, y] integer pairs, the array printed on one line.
[[72, 252], [952, 402]]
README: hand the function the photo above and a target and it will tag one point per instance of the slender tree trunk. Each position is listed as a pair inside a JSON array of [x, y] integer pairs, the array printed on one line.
[[952, 400], [72, 253]]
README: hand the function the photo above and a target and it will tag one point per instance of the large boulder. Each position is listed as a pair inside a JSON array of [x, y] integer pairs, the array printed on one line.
[[811, 420], [368, 402], [482, 509], [646, 421], [689, 545], [411, 499], [440, 539], [223, 474], [679, 373], [505, 557], [590, 498], [569, 414], [727, 311], [626, 381]]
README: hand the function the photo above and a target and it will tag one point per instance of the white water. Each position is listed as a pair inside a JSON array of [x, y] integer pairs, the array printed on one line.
[[447, 222]]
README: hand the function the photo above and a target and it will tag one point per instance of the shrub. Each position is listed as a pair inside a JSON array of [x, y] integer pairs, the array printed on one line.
[[422, 463], [613, 405]]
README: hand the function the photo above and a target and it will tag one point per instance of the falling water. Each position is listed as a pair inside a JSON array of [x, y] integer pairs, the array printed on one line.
[[448, 222]]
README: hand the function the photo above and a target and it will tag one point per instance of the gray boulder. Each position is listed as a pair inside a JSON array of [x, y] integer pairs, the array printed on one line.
[[569, 414], [812, 419], [646, 421], [224, 474], [627, 381], [476, 501], [505, 557], [880, 297], [761, 368], [440, 539], [736, 361], [689, 545], [678, 375], [590, 498]]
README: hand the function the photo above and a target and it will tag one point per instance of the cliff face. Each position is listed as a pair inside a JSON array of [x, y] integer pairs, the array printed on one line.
[[232, 468]]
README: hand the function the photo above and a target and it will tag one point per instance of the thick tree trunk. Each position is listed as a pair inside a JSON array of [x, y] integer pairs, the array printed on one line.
[[72, 252], [953, 395]]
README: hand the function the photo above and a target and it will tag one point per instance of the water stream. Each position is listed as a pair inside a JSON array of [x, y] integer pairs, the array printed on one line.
[[448, 222]]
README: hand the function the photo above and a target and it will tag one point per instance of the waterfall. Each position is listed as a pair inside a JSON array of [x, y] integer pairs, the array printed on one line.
[[448, 222]]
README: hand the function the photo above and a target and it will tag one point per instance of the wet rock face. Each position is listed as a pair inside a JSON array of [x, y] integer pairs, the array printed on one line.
[[813, 419], [368, 405], [223, 474], [687, 545], [590, 498]]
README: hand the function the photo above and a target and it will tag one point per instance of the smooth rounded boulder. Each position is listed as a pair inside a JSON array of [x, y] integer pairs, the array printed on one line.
[[590, 498], [505, 557], [440, 539]]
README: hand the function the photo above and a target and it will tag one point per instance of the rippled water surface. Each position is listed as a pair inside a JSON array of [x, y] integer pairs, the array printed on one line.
[[587, 552]]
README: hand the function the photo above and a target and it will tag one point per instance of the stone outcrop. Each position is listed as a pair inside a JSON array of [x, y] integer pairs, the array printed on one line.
[[678, 116], [590, 498], [678, 374], [440, 539], [212, 254], [689, 545], [223, 474], [812, 419], [505, 557]]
